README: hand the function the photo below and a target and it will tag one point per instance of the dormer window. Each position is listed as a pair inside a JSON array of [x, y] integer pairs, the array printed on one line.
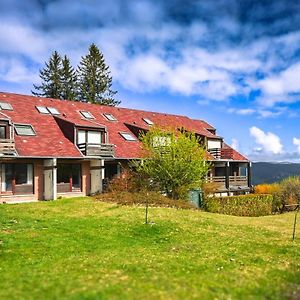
[[87, 114], [148, 121], [24, 129], [127, 136], [43, 110], [5, 106], [110, 117], [53, 111]]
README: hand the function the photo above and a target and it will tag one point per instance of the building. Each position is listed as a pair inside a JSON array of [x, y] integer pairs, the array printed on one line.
[[51, 148]]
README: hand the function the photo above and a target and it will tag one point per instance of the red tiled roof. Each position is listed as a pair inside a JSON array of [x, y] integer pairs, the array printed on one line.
[[51, 142]]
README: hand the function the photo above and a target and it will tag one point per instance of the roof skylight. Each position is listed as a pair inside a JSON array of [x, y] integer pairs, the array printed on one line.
[[127, 136], [42, 110], [87, 114], [53, 111], [5, 106], [148, 121], [22, 129], [110, 117]]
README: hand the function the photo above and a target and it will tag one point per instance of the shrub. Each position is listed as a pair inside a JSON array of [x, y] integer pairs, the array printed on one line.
[[272, 189], [129, 181], [244, 205], [290, 193], [140, 198]]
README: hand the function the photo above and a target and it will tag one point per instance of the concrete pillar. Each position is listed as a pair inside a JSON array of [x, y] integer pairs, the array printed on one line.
[[97, 175], [249, 174], [227, 172], [50, 179]]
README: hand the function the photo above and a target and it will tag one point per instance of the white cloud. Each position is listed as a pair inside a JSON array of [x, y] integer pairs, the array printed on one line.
[[268, 141], [282, 87], [243, 111], [296, 142]]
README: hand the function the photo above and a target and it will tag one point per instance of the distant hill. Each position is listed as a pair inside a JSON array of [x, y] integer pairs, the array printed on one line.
[[264, 172]]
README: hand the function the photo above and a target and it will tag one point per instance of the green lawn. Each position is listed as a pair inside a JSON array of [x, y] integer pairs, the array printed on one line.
[[82, 249]]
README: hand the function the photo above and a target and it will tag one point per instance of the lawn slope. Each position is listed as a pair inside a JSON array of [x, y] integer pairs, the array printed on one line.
[[82, 249]]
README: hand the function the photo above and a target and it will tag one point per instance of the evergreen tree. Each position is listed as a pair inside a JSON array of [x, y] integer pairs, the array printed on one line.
[[69, 85], [94, 79], [51, 78]]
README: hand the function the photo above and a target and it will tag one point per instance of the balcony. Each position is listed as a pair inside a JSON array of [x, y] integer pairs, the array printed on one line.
[[100, 150], [7, 147], [219, 182], [221, 153]]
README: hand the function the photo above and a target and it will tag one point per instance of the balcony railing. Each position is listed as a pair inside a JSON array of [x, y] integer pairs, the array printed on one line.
[[238, 180], [101, 150], [219, 182], [215, 152], [7, 147], [221, 153]]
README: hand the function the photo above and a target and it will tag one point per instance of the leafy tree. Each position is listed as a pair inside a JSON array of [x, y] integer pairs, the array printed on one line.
[[95, 80], [69, 87], [51, 74], [174, 161]]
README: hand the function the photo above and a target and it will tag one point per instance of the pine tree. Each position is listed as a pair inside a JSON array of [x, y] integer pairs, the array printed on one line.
[[51, 78], [69, 85], [95, 80]]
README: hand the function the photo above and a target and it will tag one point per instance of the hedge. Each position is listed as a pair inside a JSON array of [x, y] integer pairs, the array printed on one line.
[[251, 205]]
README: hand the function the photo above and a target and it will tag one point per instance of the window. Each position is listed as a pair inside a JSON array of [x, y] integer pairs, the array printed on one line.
[[94, 137], [127, 136], [17, 178], [148, 121], [89, 137], [109, 117], [68, 178], [53, 111], [87, 114], [42, 109], [24, 130], [5, 106], [2, 132]]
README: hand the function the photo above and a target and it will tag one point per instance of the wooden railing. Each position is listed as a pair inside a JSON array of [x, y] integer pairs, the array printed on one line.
[[221, 153], [7, 147], [218, 181], [238, 180], [102, 150], [215, 152]]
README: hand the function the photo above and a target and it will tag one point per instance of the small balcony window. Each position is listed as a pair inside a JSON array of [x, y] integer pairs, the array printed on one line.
[[110, 117], [148, 121], [5, 106], [127, 136], [43, 110], [87, 114], [24, 129], [53, 111]]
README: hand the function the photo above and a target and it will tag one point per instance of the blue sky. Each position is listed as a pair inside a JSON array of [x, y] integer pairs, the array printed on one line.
[[235, 64]]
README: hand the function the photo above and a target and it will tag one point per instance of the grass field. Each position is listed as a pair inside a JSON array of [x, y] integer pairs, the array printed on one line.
[[82, 249]]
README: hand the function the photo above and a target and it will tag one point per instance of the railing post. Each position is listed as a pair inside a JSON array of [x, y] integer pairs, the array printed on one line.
[[227, 172]]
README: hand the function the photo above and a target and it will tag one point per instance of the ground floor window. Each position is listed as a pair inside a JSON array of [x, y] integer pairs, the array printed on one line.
[[68, 178], [17, 178]]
